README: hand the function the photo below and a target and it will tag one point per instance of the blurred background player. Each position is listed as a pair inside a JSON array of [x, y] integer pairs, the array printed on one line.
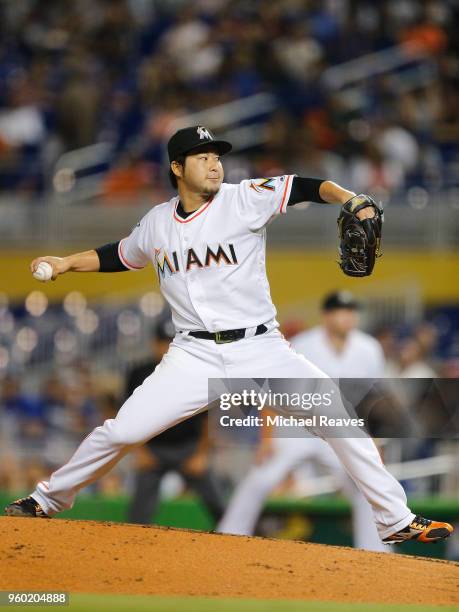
[[183, 449], [342, 351]]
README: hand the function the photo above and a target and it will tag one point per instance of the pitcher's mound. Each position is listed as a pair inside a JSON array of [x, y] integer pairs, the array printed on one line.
[[93, 557]]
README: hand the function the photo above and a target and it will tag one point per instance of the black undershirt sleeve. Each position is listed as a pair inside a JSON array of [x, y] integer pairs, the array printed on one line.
[[305, 190], [109, 259]]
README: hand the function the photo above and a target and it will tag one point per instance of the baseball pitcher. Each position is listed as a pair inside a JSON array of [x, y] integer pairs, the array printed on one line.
[[207, 245]]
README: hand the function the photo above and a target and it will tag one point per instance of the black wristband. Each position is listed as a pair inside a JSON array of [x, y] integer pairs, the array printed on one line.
[[305, 190], [109, 259]]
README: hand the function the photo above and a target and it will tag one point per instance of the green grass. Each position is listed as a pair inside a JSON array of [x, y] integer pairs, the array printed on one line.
[[134, 603]]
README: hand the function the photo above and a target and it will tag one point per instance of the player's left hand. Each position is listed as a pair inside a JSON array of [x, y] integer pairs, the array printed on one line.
[[359, 231], [366, 213]]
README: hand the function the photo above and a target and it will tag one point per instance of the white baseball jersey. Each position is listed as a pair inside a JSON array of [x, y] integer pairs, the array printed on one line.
[[362, 356], [211, 265]]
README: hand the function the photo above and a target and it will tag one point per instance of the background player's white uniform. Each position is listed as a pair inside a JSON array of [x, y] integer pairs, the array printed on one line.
[[211, 268], [362, 357]]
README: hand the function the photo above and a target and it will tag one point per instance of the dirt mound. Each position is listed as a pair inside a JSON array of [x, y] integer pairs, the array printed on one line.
[[92, 557]]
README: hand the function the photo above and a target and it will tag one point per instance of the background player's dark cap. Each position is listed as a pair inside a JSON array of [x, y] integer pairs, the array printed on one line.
[[340, 299], [186, 140]]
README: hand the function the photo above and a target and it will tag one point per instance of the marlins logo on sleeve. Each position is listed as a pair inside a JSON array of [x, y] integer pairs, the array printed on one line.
[[260, 200]]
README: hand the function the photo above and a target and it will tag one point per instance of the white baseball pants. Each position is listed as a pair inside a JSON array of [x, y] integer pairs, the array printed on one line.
[[178, 388]]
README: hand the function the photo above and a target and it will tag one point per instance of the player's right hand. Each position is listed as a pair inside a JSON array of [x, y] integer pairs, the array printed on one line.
[[59, 265]]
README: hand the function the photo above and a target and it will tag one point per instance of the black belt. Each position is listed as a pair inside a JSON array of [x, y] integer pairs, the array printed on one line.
[[229, 335]]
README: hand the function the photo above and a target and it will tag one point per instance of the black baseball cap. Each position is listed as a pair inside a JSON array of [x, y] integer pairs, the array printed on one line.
[[340, 299], [188, 139]]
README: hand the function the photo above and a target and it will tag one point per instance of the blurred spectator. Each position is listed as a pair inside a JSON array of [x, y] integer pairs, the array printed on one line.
[[387, 339], [77, 109], [184, 38], [22, 134], [427, 32], [373, 172], [122, 72], [412, 360], [412, 364], [113, 38], [130, 178], [427, 335], [397, 144], [71, 411], [298, 53], [23, 420], [29, 412]]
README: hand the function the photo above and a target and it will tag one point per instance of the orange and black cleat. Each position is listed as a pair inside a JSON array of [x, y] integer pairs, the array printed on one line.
[[422, 530]]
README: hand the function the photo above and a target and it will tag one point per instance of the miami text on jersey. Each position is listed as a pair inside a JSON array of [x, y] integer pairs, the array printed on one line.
[[169, 264]]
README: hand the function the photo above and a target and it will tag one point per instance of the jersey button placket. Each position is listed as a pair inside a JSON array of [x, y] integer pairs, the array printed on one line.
[[189, 276], [193, 281], [194, 291]]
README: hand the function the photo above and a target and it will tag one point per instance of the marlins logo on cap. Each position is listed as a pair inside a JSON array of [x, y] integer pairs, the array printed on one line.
[[189, 139], [204, 133]]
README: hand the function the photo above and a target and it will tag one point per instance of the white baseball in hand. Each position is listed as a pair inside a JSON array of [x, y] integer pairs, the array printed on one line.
[[44, 271]]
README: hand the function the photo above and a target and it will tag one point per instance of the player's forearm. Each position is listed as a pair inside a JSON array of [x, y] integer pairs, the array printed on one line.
[[102, 259], [86, 261], [317, 190], [332, 193]]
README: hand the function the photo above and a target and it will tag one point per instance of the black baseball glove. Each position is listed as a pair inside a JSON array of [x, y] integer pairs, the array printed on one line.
[[359, 240]]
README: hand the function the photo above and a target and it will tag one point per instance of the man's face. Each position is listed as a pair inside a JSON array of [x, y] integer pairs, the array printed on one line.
[[340, 321], [203, 172]]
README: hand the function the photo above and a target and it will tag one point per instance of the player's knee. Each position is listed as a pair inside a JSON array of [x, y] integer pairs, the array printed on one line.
[[120, 436]]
